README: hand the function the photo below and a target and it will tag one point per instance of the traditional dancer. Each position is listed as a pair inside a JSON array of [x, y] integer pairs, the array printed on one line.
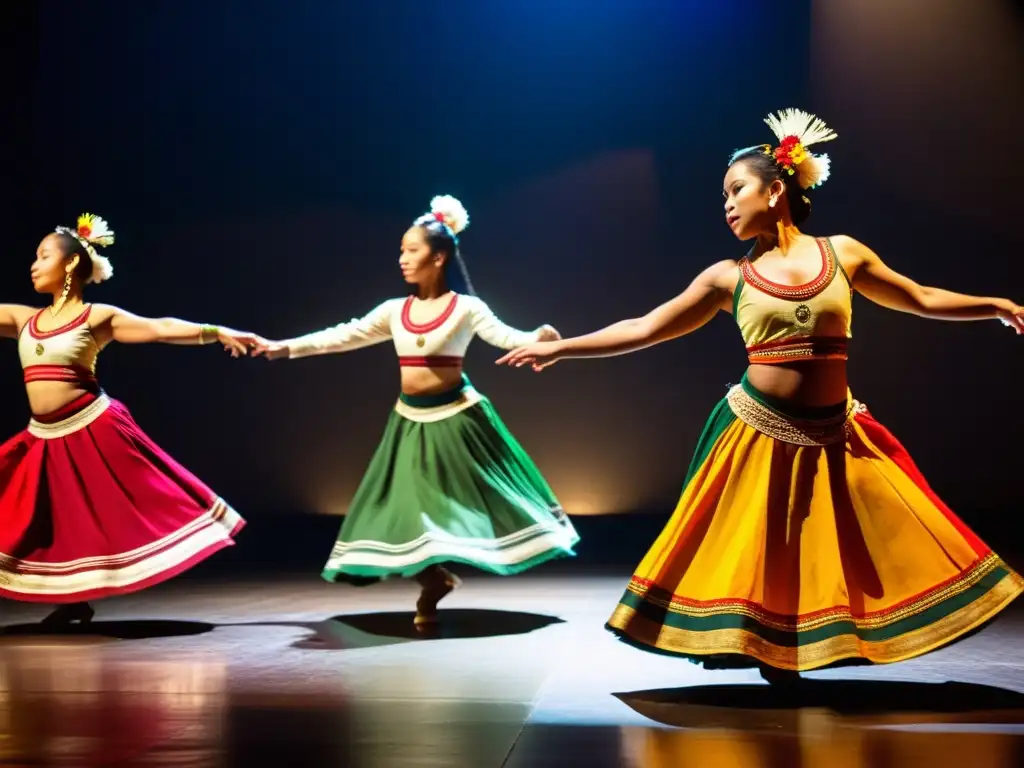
[[90, 506], [805, 534], [448, 482]]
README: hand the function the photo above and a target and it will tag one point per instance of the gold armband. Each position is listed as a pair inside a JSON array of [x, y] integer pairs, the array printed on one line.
[[208, 334]]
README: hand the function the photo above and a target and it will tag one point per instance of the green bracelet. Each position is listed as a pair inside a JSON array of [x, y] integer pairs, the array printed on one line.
[[208, 334]]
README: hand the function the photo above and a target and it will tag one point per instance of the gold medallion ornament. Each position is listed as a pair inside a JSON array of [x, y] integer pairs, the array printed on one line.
[[39, 350], [422, 329], [803, 314]]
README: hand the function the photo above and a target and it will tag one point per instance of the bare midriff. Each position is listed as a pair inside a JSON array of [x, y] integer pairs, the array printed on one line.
[[422, 380], [45, 397], [812, 383]]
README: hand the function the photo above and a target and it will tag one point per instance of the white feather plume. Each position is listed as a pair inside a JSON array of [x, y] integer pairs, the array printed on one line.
[[806, 127], [99, 231], [453, 212], [814, 169], [102, 269]]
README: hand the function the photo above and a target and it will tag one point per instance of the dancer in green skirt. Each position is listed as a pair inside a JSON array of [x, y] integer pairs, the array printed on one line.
[[448, 482]]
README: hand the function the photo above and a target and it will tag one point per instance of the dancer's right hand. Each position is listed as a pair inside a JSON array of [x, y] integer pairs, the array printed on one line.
[[538, 356], [272, 350]]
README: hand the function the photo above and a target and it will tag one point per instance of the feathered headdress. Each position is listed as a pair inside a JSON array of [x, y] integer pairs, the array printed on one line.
[[797, 130], [449, 211], [91, 231]]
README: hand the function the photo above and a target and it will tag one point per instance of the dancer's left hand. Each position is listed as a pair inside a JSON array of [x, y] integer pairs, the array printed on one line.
[[238, 343], [272, 350], [1012, 316]]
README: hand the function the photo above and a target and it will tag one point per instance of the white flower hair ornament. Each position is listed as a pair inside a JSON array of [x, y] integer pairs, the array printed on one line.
[[450, 212], [91, 231], [797, 130]]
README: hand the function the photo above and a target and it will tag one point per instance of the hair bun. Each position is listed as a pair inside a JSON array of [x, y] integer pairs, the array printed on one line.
[[91, 230], [449, 210]]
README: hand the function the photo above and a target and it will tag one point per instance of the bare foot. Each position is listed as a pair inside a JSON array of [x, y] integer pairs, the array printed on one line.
[[436, 583]]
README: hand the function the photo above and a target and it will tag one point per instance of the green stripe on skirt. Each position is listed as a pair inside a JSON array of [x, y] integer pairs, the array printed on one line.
[[461, 489]]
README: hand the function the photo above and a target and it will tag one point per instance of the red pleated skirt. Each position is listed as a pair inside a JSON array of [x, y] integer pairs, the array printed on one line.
[[91, 507]]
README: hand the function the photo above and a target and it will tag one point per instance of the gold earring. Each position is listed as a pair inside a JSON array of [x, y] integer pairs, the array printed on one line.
[[59, 304]]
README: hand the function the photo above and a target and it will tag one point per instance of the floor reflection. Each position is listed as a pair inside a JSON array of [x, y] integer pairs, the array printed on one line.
[[820, 740], [66, 706], [841, 724], [83, 706], [525, 676]]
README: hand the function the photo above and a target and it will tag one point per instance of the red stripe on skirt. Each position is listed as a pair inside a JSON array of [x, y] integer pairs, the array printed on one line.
[[823, 613], [99, 493], [895, 452], [66, 411]]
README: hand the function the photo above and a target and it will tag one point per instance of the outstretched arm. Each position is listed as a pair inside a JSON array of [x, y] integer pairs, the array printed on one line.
[[883, 285], [709, 292], [372, 328], [115, 324], [491, 329], [12, 318]]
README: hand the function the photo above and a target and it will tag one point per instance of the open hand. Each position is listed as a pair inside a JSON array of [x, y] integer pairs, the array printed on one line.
[[238, 343], [538, 356], [272, 350], [1012, 316]]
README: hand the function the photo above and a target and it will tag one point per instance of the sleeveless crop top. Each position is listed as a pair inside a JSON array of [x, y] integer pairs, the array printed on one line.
[[67, 353], [442, 342], [783, 323]]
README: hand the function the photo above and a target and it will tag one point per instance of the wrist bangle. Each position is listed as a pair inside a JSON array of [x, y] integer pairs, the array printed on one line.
[[208, 334]]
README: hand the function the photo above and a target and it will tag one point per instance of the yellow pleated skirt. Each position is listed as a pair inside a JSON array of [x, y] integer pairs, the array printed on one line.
[[803, 539]]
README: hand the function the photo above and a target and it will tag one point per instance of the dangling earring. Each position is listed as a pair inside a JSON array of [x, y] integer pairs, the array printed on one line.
[[59, 304], [772, 201]]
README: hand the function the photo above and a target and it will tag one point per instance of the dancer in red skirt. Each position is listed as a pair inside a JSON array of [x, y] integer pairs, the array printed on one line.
[[89, 506]]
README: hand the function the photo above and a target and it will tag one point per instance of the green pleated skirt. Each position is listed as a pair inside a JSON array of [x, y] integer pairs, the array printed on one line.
[[448, 484]]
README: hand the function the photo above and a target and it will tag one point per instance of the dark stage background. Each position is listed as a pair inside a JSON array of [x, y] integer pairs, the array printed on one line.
[[260, 161]]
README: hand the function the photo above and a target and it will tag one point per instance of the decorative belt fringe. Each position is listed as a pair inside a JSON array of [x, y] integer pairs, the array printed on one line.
[[76, 421], [789, 429]]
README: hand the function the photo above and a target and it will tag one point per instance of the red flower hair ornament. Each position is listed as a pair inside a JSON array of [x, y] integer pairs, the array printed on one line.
[[797, 130]]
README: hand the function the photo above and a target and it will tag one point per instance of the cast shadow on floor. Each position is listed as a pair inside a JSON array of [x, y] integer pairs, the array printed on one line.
[[374, 630], [856, 701], [141, 629], [455, 623]]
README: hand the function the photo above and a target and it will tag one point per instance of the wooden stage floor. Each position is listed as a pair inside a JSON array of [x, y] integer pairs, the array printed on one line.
[[291, 671]]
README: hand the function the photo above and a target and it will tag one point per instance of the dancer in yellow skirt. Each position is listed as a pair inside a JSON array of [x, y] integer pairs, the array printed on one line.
[[805, 534]]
